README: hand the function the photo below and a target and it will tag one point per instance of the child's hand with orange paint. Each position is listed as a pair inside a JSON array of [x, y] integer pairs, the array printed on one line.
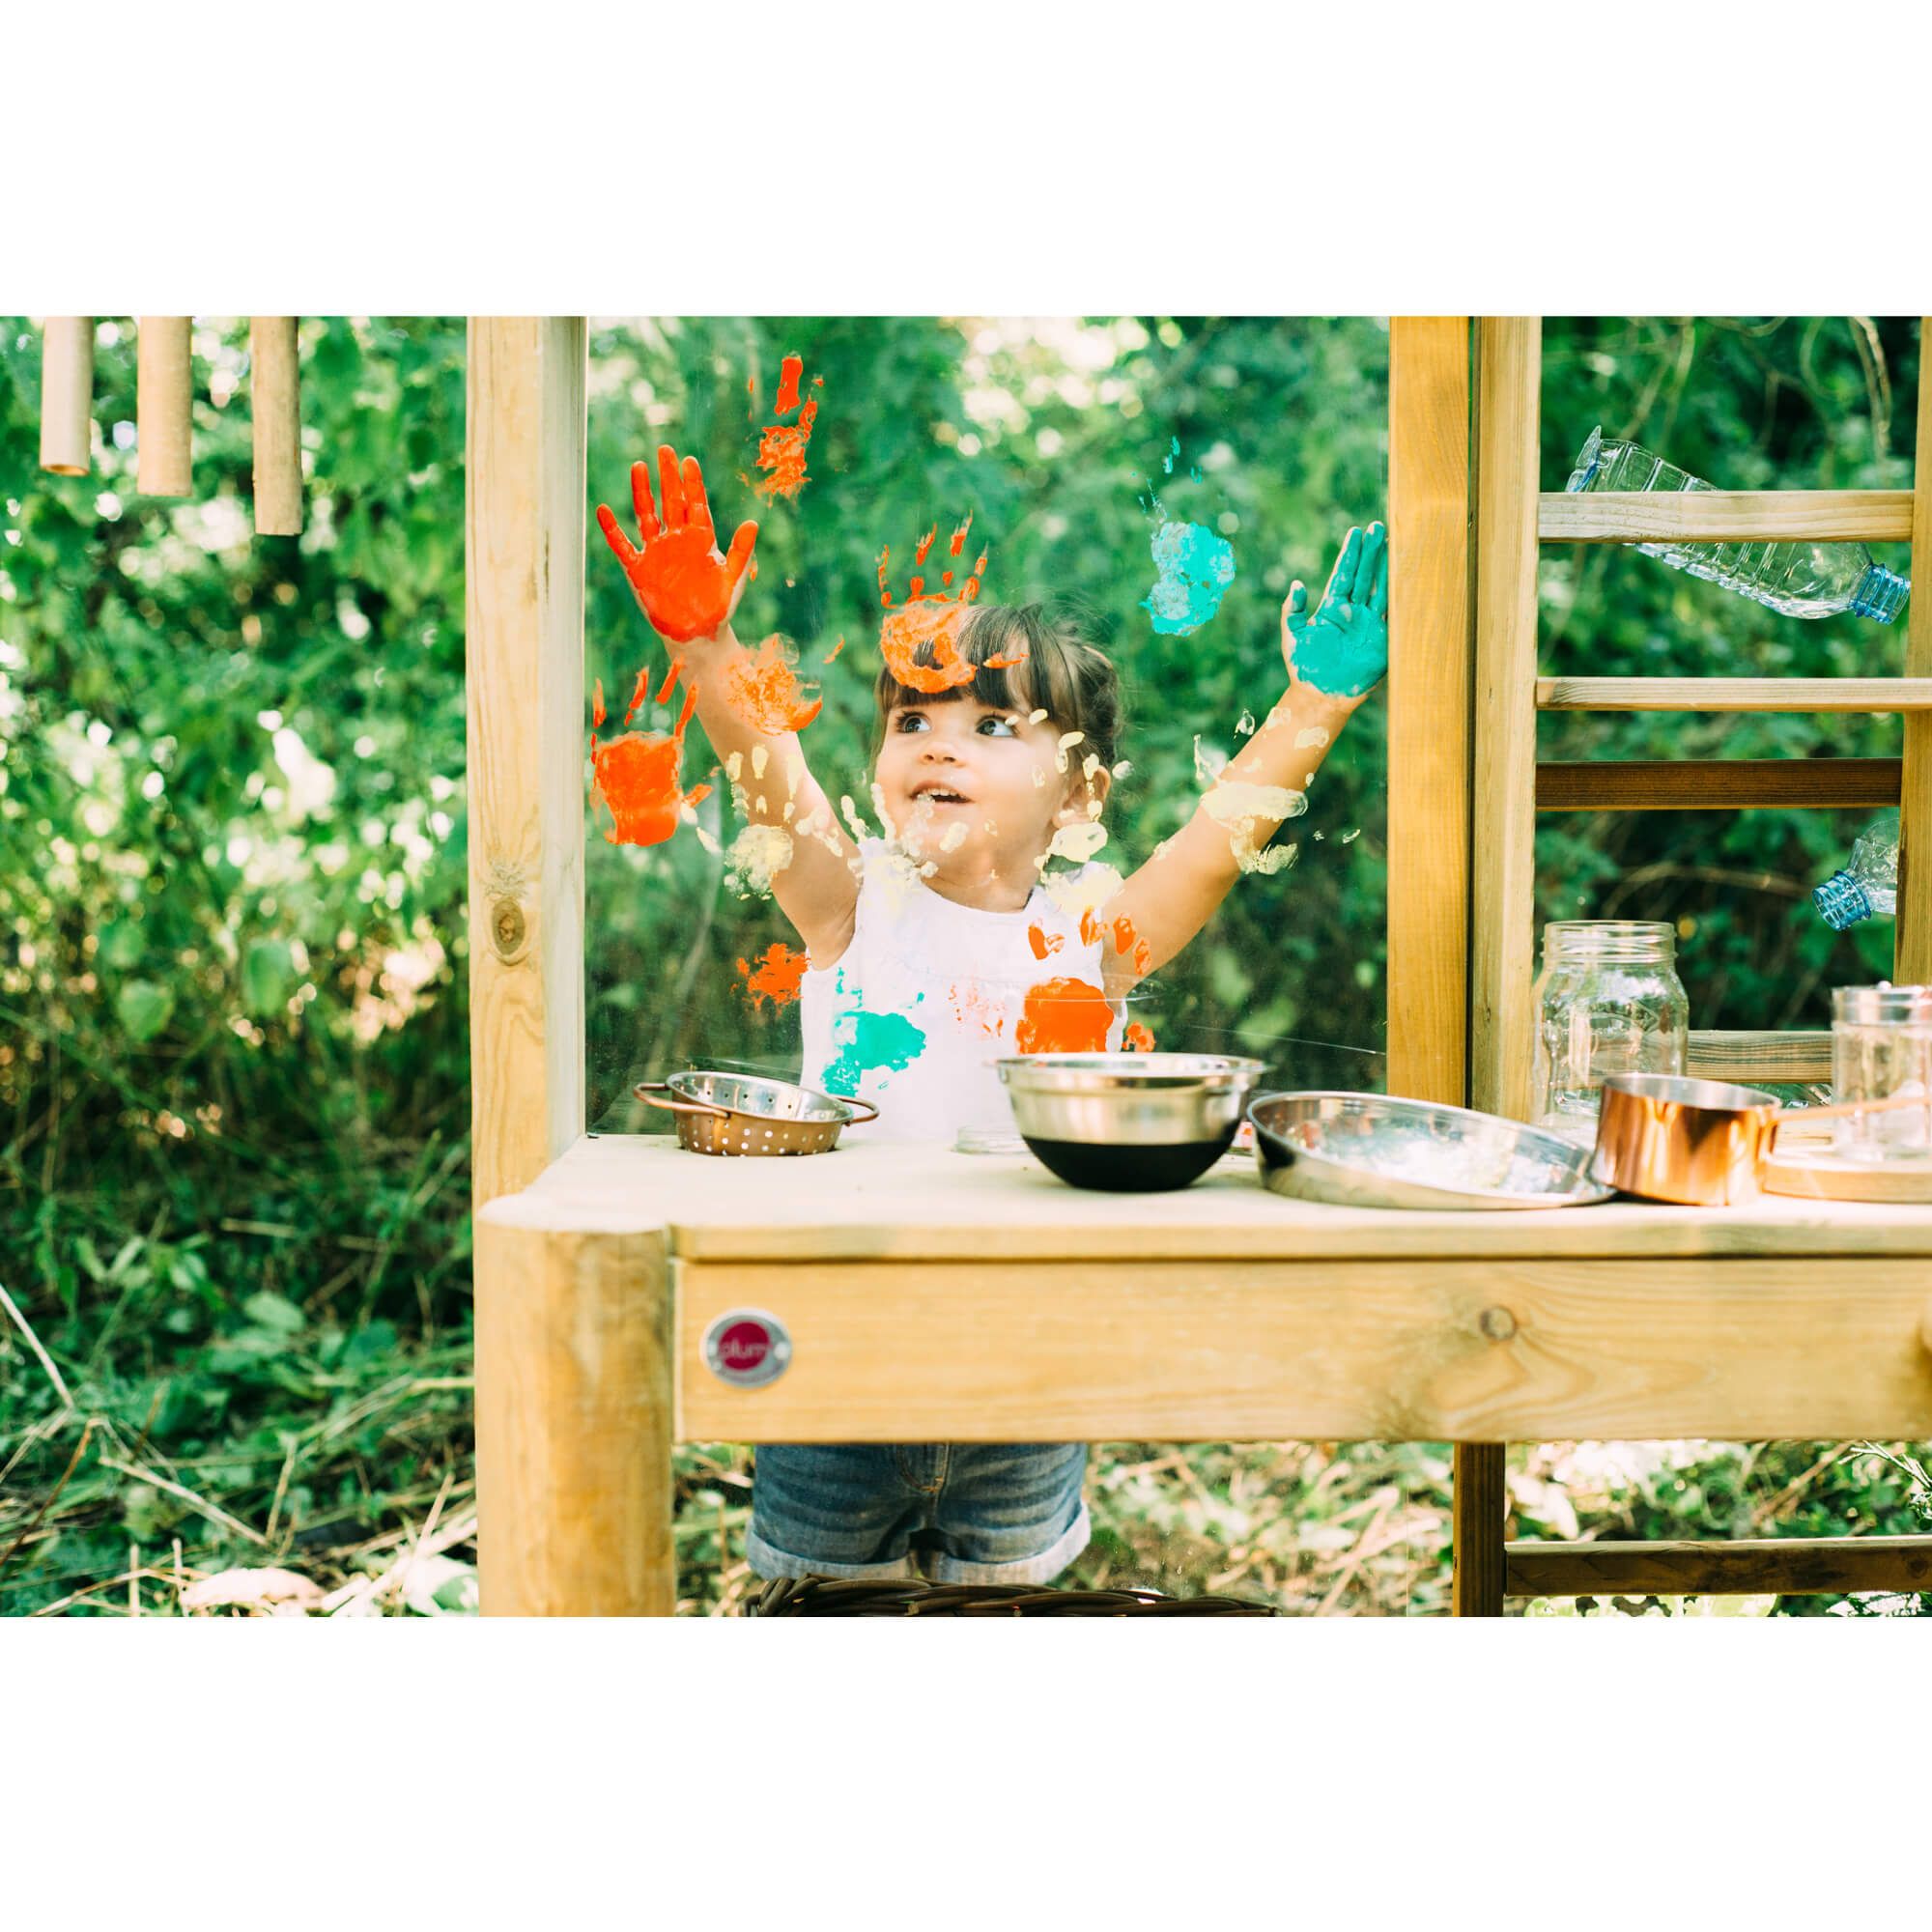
[[681, 583]]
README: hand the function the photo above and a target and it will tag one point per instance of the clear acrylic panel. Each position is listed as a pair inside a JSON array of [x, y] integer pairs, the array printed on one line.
[[1169, 477]]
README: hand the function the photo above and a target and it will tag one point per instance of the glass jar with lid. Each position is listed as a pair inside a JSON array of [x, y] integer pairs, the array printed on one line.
[[1607, 1001]]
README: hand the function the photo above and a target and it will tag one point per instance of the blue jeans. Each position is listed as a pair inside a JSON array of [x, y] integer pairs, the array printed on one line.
[[972, 1512]]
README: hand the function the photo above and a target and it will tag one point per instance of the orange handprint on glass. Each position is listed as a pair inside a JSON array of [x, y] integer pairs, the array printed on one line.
[[637, 775], [684, 586], [920, 640], [781, 447]]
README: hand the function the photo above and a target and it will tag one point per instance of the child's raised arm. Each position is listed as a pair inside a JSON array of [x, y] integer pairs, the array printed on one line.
[[1334, 658], [747, 701]]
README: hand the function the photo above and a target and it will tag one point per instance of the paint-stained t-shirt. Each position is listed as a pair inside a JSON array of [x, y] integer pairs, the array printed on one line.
[[928, 994]]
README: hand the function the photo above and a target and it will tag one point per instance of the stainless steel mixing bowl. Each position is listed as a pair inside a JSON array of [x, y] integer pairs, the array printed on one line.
[[1128, 1123], [1379, 1150]]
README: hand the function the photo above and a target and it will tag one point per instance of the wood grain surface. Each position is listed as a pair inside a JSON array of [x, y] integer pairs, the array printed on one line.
[[1715, 785], [1713, 516]]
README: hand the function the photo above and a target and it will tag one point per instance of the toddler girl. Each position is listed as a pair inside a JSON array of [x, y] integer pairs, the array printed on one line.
[[944, 945]]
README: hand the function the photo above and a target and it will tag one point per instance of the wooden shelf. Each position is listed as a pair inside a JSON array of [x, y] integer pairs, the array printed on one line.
[[1724, 516], [1734, 694], [1792, 1565], [1715, 785]]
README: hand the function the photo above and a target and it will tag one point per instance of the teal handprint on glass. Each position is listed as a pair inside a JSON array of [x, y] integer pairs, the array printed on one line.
[[1341, 647]]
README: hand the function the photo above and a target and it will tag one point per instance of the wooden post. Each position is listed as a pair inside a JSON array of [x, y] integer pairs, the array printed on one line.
[[1503, 822], [164, 433], [1428, 707], [276, 389], [574, 1422], [1911, 940], [1429, 786], [67, 395], [527, 731]]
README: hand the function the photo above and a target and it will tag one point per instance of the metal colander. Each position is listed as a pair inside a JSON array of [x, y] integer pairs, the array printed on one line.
[[730, 1113]]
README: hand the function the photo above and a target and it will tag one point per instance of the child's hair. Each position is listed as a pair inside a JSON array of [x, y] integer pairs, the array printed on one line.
[[1062, 673]]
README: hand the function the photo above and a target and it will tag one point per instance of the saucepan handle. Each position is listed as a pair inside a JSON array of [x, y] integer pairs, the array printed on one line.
[[643, 1090], [871, 1112], [1844, 1110]]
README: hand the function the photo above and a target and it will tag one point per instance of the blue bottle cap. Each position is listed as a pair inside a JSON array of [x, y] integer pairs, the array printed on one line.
[[1880, 593], [1841, 901]]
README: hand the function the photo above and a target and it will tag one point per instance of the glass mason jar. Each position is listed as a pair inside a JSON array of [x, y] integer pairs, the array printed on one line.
[[1607, 1001], [1882, 1050]]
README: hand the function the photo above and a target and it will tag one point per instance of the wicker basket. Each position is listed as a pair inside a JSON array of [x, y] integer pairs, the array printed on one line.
[[904, 1597]]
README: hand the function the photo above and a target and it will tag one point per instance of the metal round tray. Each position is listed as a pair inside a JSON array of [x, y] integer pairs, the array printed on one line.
[[1375, 1150]]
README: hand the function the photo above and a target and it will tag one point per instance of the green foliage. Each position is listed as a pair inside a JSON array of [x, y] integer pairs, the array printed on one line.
[[232, 1029]]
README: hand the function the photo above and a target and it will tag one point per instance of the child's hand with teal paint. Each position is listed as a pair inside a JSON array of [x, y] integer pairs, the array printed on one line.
[[1341, 649]]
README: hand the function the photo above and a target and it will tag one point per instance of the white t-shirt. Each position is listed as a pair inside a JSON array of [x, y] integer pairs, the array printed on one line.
[[928, 994]]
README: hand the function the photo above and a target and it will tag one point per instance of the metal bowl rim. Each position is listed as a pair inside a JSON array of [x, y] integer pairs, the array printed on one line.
[[831, 1111]]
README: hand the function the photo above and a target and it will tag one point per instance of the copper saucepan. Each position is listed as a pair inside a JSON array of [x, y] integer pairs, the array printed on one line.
[[1699, 1143]]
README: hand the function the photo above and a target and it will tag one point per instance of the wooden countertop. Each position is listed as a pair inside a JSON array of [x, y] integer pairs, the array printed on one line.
[[887, 1202]]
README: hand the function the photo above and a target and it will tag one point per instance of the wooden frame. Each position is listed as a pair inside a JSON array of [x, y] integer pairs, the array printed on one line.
[[985, 1301], [1510, 692]]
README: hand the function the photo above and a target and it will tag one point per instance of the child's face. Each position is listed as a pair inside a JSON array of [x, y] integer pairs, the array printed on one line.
[[978, 791]]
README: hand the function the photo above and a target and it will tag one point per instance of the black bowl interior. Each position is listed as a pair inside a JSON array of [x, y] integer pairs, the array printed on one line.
[[1131, 1170]]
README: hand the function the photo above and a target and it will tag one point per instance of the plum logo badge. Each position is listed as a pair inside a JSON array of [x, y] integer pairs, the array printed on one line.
[[747, 1347]]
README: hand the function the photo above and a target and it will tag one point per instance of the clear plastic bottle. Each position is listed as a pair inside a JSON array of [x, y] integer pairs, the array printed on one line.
[[1607, 1001], [1801, 580], [1869, 882]]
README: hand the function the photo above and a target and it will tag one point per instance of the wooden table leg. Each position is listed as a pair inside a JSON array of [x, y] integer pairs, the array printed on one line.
[[1477, 1513], [574, 1422]]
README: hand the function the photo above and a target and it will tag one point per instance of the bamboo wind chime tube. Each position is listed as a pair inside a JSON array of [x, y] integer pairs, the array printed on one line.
[[67, 395], [164, 433], [277, 406]]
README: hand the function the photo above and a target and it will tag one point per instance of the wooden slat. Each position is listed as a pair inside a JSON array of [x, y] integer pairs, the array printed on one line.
[[1734, 694], [1716, 1055], [573, 1424], [274, 383], [1715, 785], [527, 725], [1792, 1565], [1912, 934], [67, 395], [1428, 707], [164, 434], [1458, 1351], [1726, 516], [1503, 809]]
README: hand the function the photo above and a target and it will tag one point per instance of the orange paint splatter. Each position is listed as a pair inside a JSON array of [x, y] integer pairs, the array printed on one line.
[[972, 1002], [681, 583], [929, 623], [763, 689], [1137, 1038], [1126, 940], [1063, 1016], [1089, 926], [597, 705], [1044, 942], [781, 447], [637, 776], [835, 649], [776, 977]]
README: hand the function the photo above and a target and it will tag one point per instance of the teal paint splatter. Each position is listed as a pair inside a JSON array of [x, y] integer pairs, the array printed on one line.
[[868, 1040], [1196, 568], [1173, 450]]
